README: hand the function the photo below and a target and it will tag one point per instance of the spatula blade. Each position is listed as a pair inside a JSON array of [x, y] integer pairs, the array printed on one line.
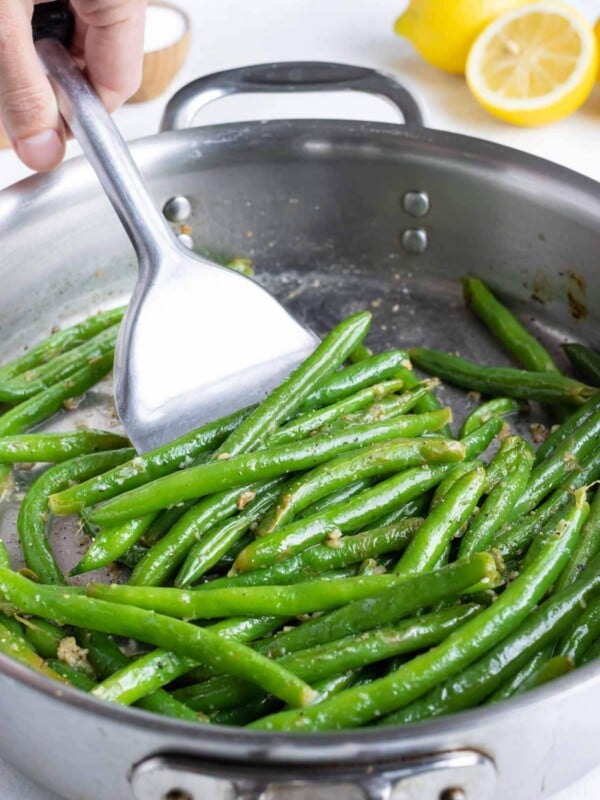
[[198, 342]]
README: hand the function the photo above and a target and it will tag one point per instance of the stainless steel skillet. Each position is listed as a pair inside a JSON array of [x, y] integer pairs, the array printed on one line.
[[337, 215]]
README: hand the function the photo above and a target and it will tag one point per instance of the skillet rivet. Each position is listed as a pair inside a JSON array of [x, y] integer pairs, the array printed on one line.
[[414, 240], [177, 209], [186, 240], [416, 203], [177, 794], [453, 793]]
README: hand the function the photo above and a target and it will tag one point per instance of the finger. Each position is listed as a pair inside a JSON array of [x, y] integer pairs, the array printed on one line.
[[113, 47], [28, 107]]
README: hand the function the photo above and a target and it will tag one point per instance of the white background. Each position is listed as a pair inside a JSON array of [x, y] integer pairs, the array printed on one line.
[[229, 33]]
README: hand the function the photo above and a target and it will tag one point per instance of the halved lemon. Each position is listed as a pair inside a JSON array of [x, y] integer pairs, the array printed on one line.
[[534, 65]]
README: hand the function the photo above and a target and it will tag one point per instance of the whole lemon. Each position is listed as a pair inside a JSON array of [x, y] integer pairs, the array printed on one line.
[[444, 30], [597, 32]]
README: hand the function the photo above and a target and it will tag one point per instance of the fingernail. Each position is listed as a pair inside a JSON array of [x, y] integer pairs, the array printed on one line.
[[42, 151]]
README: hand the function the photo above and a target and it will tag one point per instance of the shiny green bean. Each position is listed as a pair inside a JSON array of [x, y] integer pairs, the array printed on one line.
[[181, 637], [441, 525], [375, 461], [506, 327], [544, 387], [497, 508], [33, 514], [349, 380], [358, 512], [217, 541], [226, 473], [585, 360], [461, 648], [60, 342], [55, 447], [498, 407], [337, 553], [41, 377]]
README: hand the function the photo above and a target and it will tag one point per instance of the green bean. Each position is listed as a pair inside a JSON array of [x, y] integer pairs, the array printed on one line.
[[222, 474], [43, 636], [61, 342], [387, 408], [568, 428], [554, 668], [36, 380], [517, 536], [43, 405], [496, 510], [515, 684], [585, 360], [459, 471], [461, 648], [291, 600], [504, 461], [163, 522], [180, 637], [545, 624], [107, 658], [346, 517], [76, 677], [583, 633], [153, 670], [246, 713], [345, 493], [442, 524], [15, 646], [167, 554], [506, 327], [411, 510], [266, 704], [33, 514], [291, 394], [217, 541], [306, 424], [4, 557], [112, 543], [544, 387], [357, 376], [55, 447], [374, 461], [359, 353], [587, 546], [409, 596], [427, 403], [359, 512], [147, 467], [591, 654], [321, 558], [569, 454], [498, 407], [15, 626], [326, 661]]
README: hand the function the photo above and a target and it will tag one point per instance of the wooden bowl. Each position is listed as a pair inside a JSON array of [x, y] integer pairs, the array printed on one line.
[[162, 62]]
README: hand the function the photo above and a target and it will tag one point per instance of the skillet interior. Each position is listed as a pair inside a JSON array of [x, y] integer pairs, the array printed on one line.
[[318, 207]]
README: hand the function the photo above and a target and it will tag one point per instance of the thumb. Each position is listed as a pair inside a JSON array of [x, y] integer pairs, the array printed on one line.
[[28, 108]]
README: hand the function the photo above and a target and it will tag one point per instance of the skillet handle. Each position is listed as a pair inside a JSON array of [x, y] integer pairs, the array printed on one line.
[[451, 775], [287, 76]]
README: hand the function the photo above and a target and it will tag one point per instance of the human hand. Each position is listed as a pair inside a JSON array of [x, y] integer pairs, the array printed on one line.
[[108, 45]]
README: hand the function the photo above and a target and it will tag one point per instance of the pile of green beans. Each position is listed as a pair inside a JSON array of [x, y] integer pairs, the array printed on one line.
[[333, 557]]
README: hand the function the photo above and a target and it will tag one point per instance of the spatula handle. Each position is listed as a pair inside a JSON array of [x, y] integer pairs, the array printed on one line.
[[105, 149]]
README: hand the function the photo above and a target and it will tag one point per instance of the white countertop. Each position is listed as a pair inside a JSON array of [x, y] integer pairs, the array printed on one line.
[[231, 33]]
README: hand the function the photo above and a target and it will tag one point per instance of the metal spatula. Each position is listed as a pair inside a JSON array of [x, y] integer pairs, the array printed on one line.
[[198, 340]]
